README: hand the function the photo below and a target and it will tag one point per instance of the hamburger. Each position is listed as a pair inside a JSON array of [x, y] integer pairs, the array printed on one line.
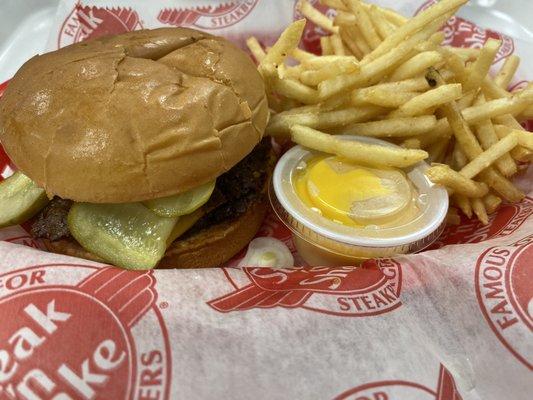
[[143, 149]]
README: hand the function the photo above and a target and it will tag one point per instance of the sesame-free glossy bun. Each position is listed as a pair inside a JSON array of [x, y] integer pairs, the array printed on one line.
[[133, 117]]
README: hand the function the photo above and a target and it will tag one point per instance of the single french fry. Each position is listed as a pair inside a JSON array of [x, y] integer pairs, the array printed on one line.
[[344, 18], [359, 39], [289, 72], [364, 23], [314, 77], [481, 66], [432, 98], [350, 43], [336, 44], [467, 54], [325, 45], [409, 85], [463, 203], [382, 25], [455, 64], [479, 209], [507, 71], [280, 124], [312, 14], [368, 154], [302, 55], [393, 127], [348, 62], [338, 4], [489, 156], [444, 175], [494, 108], [381, 97], [392, 16], [287, 42], [493, 91], [492, 202], [295, 90], [416, 65], [487, 137], [524, 138], [503, 186], [415, 24], [255, 48], [519, 153], [373, 71]]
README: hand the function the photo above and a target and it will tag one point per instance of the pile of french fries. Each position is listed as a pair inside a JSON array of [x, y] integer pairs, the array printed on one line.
[[386, 76]]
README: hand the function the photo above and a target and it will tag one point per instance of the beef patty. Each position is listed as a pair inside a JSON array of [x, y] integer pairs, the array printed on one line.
[[234, 192]]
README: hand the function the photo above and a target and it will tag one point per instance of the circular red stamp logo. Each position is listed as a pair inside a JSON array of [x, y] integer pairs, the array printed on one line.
[[371, 289], [90, 22], [82, 341], [397, 389], [462, 33], [504, 222], [208, 17], [504, 288]]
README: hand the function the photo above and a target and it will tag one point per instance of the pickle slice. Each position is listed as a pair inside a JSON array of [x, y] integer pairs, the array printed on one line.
[[183, 203], [127, 235], [20, 199]]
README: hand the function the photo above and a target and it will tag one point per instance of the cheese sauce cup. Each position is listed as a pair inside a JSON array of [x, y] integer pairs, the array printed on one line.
[[324, 241]]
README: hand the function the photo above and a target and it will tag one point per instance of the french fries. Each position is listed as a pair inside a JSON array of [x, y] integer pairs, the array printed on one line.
[[384, 75]]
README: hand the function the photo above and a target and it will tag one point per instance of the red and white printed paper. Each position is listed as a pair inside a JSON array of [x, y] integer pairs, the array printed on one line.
[[454, 322]]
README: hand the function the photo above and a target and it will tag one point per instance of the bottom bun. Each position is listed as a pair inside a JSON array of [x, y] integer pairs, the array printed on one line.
[[207, 248]]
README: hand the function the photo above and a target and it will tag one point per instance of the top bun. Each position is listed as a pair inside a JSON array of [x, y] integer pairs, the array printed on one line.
[[133, 117]]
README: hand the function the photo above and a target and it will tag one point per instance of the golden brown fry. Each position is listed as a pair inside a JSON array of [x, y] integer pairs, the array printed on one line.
[[393, 127], [280, 123], [479, 209], [364, 23], [415, 24], [287, 42], [302, 55], [481, 66], [336, 44], [493, 91], [463, 203], [295, 90], [411, 143], [452, 217], [455, 64], [338, 4], [437, 151], [255, 48], [494, 108], [382, 25], [492, 202], [523, 137], [350, 43], [519, 153], [314, 77], [344, 18], [444, 175], [467, 54], [325, 45], [432, 98], [368, 154], [416, 65], [381, 97], [506, 73], [312, 14]]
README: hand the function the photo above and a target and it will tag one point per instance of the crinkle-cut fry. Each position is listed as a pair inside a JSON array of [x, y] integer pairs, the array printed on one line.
[[432, 98], [350, 43], [479, 209], [337, 4], [487, 137], [381, 97], [280, 124], [295, 90], [505, 75], [492, 202], [302, 55], [255, 48], [490, 156], [416, 65], [286, 43], [463, 203], [368, 154], [336, 44], [393, 127], [364, 23], [312, 14], [481, 66], [415, 24], [382, 25], [325, 45], [373, 71], [452, 217], [444, 175], [314, 77]]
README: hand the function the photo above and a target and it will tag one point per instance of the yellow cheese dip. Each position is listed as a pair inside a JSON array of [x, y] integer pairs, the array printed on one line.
[[353, 195]]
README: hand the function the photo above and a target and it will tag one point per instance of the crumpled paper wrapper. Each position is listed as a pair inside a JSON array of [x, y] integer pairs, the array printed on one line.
[[454, 322]]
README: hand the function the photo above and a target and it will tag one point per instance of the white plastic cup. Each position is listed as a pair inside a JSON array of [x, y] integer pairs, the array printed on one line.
[[321, 241]]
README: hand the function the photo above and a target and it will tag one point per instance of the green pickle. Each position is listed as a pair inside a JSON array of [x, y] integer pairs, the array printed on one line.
[[20, 199], [183, 203], [128, 235]]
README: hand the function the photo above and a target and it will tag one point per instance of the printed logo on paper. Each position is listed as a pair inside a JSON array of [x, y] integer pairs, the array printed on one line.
[[83, 341], [312, 32], [391, 390], [208, 17], [462, 33], [504, 288], [86, 22], [504, 222], [371, 289]]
